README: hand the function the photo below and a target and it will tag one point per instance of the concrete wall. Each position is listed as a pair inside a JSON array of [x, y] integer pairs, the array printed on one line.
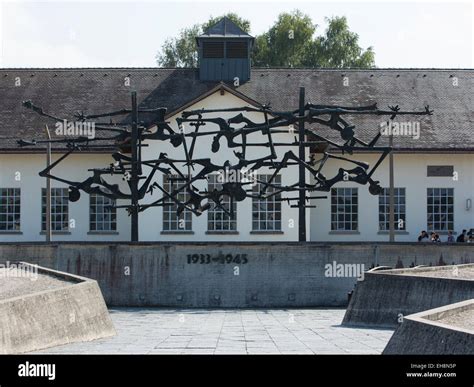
[[422, 334], [73, 313], [384, 297], [287, 274]]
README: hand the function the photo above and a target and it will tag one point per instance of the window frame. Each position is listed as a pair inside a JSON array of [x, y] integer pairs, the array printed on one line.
[[261, 207], [436, 193], [12, 193], [349, 192], [214, 212], [398, 212], [169, 211], [53, 214], [112, 213]]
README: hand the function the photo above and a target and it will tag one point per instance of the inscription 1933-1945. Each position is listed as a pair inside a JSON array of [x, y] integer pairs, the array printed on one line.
[[220, 258]]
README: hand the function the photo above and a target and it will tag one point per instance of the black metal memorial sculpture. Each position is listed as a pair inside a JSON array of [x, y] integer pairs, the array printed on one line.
[[129, 137]]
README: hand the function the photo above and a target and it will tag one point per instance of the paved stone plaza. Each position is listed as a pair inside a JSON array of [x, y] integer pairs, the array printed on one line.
[[262, 331]]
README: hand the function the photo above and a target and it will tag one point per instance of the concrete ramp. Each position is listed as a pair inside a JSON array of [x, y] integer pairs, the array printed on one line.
[[385, 297], [42, 308], [448, 330]]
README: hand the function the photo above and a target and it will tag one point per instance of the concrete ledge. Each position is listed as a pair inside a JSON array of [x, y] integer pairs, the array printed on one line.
[[433, 332], [386, 296], [72, 313]]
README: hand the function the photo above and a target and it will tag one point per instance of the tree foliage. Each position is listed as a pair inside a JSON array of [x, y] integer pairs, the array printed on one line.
[[290, 42], [286, 42], [181, 51], [338, 48]]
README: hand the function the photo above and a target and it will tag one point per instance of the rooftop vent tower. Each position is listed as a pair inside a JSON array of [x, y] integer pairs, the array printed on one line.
[[224, 52]]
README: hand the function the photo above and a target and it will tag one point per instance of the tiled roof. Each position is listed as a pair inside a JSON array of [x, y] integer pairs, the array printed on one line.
[[63, 92]]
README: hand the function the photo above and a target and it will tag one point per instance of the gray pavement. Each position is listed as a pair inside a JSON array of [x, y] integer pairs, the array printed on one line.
[[235, 331]]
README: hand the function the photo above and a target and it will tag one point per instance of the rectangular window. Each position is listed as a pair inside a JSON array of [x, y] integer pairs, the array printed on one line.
[[10, 207], [59, 209], [217, 218], [399, 209], [266, 213], [213, 49], [102, 213], [440, 171], [440, 210], [171, 220], [344, 209], [237, 50]]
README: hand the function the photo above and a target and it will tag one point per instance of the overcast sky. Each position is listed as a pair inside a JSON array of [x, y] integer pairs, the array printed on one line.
[[126, 34]]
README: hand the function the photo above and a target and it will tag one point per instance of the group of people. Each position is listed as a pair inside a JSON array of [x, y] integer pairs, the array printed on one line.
[[464, 237]]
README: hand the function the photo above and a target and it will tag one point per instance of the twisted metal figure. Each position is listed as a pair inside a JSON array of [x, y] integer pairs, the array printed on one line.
[[134, 134]]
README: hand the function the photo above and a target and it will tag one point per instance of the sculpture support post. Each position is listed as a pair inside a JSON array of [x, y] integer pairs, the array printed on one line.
[[134, 170], [302, 172]]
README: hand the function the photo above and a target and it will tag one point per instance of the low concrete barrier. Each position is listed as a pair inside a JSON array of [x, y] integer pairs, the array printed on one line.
[[440, 331], [234, 275], [386, 296], [61, 315]]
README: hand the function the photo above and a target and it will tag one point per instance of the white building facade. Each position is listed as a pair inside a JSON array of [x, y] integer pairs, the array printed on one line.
[[434, 171], [422, 202]]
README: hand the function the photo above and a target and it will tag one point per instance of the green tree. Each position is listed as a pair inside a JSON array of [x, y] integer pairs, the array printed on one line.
[[181, 51], [338, 48], [285, 44]]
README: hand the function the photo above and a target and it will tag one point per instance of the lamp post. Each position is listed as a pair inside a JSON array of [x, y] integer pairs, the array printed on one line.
[[391, 217], [48, 188]]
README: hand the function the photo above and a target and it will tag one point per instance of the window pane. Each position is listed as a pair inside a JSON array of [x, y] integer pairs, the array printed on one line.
[[440, 209], [175, 185], [10, 206], [399, 210], [267, 209], [344, 215], [59, 209]]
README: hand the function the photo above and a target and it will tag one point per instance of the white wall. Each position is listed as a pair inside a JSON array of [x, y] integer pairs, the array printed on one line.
[[151, 220], [410, 173], [73, 168]]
